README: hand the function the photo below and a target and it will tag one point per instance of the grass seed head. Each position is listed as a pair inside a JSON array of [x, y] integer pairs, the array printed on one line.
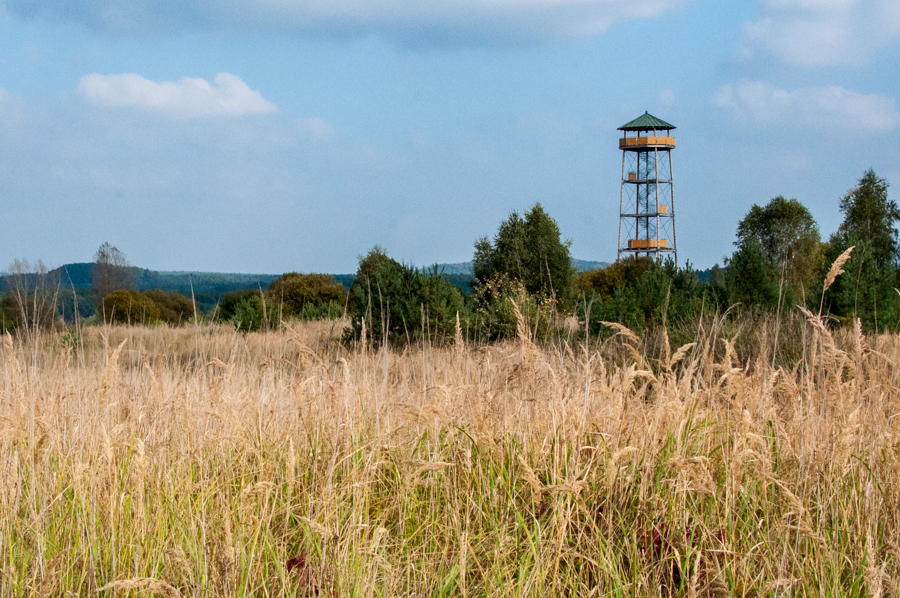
[[835, 269]]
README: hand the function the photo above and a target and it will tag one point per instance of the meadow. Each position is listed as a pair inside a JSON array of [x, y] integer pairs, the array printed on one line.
[[201, 461]]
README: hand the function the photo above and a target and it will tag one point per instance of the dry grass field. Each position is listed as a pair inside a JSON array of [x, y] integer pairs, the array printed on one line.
[[204, 462]]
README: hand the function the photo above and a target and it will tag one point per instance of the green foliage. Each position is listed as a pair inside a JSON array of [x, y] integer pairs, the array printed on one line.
[[227, 307], [753, 276], [865, 290], [300, 295], [248, 311], [871, 216], [527, 263], [174, 308], [74, 303], [9, 314], [496, 316], [33, 295], [324, 311], [789, 236], [623, 273], [126, 306], [251, 314], [377, 297], [530, 251], [717, 287], [401, 303], [439, 302], [649, 295]]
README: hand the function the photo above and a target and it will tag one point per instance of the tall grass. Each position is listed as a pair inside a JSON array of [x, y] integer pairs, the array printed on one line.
[[205, 462]]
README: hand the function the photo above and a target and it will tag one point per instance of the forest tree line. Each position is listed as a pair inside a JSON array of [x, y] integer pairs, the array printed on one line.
[[525, 270]]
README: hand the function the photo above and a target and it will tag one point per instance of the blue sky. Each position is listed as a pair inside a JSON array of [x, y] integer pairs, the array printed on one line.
[[283, 135]]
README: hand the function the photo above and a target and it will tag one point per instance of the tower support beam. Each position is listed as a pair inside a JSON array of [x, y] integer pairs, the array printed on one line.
[[647, 196]]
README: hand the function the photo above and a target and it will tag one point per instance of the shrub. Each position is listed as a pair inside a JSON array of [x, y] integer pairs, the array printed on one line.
[[496, 315], [399, 302], [325, 311], [301, 295], [248, 310], [227, 307], [649, 295], [439, 302], [250, 314], [174, 308], [376, 296], [623, 273], [9, 314], [129, 307]]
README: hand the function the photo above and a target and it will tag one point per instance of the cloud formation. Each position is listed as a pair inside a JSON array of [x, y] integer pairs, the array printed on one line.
[[416, 22], [818, 107], [187, 98], [824, 32]]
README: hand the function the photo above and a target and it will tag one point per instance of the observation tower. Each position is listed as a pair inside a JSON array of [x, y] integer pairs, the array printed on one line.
[[647, 200]]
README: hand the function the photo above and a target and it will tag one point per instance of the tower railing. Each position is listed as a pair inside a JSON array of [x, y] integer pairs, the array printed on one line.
[[647, 198]]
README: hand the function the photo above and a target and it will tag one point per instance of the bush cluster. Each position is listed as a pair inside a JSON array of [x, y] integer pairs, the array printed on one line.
[[779, 261], [395, 302], [247, 310], [291, 296], [297, 294], [33, 311], [525, 272], [127, 306]]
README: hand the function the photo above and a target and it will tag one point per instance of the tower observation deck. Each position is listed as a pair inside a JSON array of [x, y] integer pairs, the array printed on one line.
[[647, 199]]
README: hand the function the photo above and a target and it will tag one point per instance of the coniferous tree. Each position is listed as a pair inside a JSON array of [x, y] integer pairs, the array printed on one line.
[[871, 216], [866, 291], [753, 275], [528, 250], [398, 302]]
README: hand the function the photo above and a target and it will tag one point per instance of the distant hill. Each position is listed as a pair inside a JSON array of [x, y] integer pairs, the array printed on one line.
[[78, 276], [585, 265], [704, 275], [217, 282], [461, 268], [466, 267], [208, 287]]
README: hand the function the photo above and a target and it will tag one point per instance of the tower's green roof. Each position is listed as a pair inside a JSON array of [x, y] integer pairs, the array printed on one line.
[[646, 122]]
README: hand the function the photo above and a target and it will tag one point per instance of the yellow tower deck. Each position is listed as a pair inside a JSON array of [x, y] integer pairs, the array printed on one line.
[[646, 142]]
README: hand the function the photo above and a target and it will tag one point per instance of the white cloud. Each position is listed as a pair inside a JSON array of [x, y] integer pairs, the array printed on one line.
[[316, 129], [187, 98], [824, 32], [422, 22], [817, 107], [667, 97]]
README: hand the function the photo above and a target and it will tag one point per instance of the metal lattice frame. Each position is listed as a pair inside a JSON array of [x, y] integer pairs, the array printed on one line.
[[647, 200]]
